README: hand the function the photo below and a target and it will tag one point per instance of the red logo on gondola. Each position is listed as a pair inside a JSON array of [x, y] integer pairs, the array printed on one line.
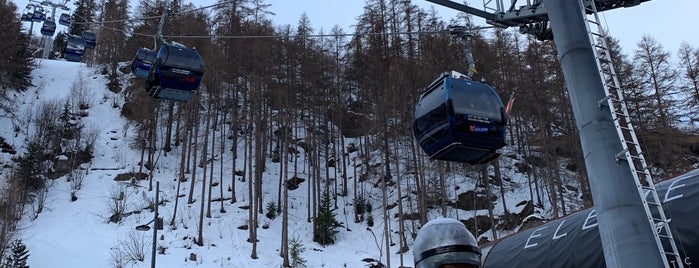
[[189, 79], [478, 129]]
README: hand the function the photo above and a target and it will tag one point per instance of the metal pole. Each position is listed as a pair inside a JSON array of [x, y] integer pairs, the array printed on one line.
[[49, 39], [627, 238], [31, 24], [155, 225]]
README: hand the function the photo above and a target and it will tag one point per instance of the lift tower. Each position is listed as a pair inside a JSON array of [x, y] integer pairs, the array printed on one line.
[[49, 39], [628, 208]]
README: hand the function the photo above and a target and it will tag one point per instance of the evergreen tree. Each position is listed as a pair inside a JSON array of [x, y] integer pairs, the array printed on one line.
[[59, 44], [297, 249], [326, 224], [29, 172], [18, 257], [15, 61], [83, 15]]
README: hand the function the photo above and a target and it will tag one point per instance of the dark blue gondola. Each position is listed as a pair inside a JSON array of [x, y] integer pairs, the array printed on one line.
[[75, 48], [461, 120], [49, 27], [26, 17], [64, 19], [143, 61], [38, 16], [176, 73], [90, 39]]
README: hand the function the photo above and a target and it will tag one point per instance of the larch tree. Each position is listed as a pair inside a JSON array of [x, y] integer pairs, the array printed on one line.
[[111, 44], [658, 80], [689, 66], [658, 84]]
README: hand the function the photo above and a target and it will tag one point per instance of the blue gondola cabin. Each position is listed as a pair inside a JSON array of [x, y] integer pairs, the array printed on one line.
[[74, 48], [64, 19], [461, 120], [26, 17], [176, 73], [90, 39], [38, 16], [143, 61], [48, 28]]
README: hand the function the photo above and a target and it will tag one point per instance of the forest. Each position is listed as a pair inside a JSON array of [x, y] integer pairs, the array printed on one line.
[[263, 83]]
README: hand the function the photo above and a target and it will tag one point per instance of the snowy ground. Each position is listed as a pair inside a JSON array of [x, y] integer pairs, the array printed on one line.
[[78, 234]]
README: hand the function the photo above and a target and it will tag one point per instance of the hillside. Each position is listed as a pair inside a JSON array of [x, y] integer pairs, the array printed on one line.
[[79, 233], [76, 226]]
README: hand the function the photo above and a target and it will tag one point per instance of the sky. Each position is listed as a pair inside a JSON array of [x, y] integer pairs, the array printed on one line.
[[666, 20], [78, 233]]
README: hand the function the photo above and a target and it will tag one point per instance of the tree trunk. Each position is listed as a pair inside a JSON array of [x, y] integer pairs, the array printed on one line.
[[194, 156], [222, 152], [181, 178], [498, 177], [168, 125], [486, 182], [203, 201]]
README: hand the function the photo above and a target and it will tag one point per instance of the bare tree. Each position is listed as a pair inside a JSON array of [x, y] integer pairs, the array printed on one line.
[[689, 64]]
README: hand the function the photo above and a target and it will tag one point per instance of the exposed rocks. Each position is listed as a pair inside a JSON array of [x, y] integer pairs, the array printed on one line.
[[474, 201]]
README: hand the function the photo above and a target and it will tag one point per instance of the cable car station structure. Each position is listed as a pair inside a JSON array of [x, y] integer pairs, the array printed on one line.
[[632, 224]]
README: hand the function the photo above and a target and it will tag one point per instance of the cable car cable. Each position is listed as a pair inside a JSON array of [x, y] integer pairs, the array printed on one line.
[[296, 36], [153, 17], [256, 36]]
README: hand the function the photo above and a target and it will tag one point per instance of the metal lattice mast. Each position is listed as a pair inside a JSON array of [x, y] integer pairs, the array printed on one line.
[[631, 153]]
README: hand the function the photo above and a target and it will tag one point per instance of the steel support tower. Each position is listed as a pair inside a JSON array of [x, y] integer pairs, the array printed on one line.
[[619, 177]]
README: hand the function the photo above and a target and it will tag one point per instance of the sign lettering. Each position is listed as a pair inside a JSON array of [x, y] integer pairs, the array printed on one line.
[[533, 235]]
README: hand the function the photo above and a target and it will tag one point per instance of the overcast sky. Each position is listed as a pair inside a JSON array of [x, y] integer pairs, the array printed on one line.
[[669, 21]]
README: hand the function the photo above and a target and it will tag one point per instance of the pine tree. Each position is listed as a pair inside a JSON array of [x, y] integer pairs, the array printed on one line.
[[326, 224], [296, 250], [29, 172], [18, 257], [83, 15], [59, 44], [15, 62]]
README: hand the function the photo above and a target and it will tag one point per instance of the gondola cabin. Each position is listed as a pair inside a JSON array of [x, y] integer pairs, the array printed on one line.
[[143, 61], [90, 39], [176, 73], [48, 28], [64, 19], [38, 16], [26, 17], [74, 48], [461, 120]]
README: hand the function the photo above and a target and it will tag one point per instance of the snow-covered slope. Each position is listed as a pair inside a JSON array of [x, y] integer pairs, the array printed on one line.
[[79, 234]]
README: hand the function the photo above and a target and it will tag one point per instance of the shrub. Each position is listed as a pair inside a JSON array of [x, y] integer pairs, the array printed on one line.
[[271, 210], [18, 256], [325, 224], [295, 250]]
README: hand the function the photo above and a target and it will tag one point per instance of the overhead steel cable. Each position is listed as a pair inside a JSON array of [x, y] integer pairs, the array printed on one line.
[[298, 36], [153, 17], [101, 23]]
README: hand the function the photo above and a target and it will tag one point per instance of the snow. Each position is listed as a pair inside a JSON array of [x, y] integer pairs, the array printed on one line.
[[78, 233]]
